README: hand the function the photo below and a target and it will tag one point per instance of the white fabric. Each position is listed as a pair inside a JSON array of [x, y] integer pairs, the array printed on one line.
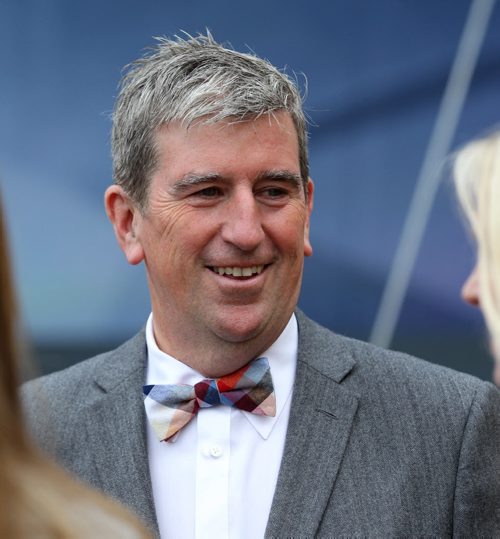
[[217, 478]]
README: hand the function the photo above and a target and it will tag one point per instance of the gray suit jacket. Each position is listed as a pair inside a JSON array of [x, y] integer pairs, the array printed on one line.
[[379, 444]]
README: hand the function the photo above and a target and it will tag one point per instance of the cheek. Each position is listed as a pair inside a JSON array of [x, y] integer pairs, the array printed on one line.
[[179, 231], [496, 373], [495, 348], [169, 219], [289, 232]]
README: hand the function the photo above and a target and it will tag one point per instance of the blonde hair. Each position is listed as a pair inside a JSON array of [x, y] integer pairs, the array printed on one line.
[[477, 181], [38, 499]]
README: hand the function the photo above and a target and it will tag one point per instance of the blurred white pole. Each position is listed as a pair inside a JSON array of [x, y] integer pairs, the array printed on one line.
[[428, 180]]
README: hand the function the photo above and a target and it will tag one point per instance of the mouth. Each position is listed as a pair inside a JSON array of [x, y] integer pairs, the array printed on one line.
[[238, 272]]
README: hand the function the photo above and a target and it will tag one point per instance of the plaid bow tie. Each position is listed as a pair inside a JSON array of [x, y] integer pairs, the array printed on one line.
[[171, 407]]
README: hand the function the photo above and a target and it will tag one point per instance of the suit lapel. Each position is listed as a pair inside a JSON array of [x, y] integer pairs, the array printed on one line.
[[115, 426], [321, 417]]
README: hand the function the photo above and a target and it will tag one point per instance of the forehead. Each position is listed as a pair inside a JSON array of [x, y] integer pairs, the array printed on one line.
[[267, 142]]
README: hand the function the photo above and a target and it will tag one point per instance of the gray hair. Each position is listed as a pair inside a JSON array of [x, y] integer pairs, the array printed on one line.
[[193, 80]]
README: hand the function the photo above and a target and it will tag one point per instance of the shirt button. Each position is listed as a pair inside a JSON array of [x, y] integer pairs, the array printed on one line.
[[215, 451]]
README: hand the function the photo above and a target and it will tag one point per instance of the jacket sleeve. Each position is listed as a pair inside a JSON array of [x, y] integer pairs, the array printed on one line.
[[477, 491]]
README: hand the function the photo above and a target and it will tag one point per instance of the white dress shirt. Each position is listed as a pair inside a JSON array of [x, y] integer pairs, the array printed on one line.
[[217, 478]]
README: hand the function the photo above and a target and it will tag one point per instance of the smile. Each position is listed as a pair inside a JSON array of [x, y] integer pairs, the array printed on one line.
[[237, 271]]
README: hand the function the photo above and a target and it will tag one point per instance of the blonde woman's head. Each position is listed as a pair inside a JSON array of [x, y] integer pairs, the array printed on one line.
[[477, 181]]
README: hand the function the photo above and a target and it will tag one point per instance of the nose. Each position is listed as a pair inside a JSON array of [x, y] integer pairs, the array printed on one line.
[[243, 222], [470, 289]]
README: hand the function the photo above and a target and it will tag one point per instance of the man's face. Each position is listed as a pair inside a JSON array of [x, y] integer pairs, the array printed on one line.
[[224, 233]]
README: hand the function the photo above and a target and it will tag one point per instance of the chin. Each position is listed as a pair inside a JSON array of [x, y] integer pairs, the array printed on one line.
[[238, 332], [243, 324]]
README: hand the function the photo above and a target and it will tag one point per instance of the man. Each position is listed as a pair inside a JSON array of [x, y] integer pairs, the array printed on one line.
[[212, 193]]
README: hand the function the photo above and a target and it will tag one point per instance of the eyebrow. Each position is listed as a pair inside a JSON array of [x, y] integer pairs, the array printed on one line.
[[191, 179], [281, 176]]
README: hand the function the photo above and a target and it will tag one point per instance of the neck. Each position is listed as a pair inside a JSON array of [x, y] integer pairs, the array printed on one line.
[[215, 358]]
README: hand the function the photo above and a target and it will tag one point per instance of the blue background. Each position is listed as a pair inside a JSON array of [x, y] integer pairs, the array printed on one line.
[[376, 73]]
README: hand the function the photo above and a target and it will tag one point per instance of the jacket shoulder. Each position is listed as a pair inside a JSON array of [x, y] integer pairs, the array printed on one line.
[[55, 399], [370, 370]]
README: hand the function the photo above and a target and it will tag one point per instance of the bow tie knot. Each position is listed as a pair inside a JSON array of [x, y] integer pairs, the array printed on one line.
[[171, 407]]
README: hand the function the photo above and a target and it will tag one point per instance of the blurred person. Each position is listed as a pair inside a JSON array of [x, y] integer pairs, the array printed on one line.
[[477, 181], [322, 435], [37, 499]]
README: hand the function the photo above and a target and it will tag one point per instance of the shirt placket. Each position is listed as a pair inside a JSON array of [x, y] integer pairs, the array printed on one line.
[[212, 473]]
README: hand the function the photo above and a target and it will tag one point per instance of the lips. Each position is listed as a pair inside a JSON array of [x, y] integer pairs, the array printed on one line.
[[238, 271]]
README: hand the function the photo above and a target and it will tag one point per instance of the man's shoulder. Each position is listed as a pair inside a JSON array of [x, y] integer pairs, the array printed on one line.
[[60, 409], [367, 368], [70, 377], [119, 361], [79, 384]]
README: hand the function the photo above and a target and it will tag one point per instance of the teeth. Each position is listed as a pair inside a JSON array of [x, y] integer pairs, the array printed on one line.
[[237, 271]]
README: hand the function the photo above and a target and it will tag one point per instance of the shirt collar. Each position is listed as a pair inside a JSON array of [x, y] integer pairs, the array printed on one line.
[[282, 356]]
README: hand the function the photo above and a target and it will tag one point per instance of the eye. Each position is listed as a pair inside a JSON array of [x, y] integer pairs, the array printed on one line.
[[275, 192], [208, 192], [207, 196]]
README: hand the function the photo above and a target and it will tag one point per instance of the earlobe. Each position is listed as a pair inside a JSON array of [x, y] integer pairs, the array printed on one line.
[[124, 215], [308, 250]]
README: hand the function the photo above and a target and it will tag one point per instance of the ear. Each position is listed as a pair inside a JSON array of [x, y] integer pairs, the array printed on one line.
[[124, 216], [308, 251]]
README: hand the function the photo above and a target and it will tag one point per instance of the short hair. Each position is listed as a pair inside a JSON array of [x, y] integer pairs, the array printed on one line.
[[193, 80], [477, 181]]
